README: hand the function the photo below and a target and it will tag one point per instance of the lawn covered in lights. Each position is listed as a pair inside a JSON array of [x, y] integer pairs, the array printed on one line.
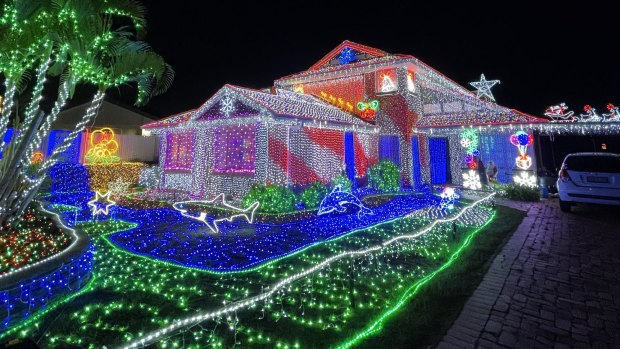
[[338, 303]]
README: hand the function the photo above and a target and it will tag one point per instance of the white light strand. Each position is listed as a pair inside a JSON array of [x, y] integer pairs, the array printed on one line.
[[92, 110], [7, 108], [247, 213], [33, 106], [63, 96]]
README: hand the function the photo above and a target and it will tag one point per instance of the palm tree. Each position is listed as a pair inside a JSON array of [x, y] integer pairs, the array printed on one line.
[[76, 41]]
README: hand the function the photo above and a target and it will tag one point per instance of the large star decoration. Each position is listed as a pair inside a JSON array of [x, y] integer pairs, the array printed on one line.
[[483, 87], [99, 201]]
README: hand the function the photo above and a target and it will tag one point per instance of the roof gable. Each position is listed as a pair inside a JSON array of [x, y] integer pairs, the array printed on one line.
[[227, 103], [348, 52]]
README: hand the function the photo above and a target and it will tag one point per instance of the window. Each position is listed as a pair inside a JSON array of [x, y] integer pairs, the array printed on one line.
[[386, 81], [593, 163], [179, 151], [234, 149]]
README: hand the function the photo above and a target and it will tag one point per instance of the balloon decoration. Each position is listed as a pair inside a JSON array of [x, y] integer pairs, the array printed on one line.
[[102, 146], [469, 141], [522, 140]]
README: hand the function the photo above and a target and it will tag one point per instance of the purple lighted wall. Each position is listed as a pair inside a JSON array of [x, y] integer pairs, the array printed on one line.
[[234, 149]]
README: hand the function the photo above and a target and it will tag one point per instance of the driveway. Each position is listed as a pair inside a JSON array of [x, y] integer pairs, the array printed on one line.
[[556, 284]]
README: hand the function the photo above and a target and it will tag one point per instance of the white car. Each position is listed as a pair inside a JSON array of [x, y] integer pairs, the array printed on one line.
[[590, 178]]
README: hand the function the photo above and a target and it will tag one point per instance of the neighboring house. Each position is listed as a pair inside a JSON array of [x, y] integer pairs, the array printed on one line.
[[356, 106], [125, 121]]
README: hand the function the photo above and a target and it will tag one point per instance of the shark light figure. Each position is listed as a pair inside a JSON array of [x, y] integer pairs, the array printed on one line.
[[338, 200], [184, 208]]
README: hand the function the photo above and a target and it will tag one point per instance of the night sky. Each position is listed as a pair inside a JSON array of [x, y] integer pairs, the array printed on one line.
[[541, 55]]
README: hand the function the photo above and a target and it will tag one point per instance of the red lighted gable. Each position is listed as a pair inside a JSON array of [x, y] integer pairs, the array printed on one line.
[[335, 52]]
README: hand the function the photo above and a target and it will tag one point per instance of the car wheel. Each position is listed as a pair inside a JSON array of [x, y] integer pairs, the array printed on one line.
[[565, 205]]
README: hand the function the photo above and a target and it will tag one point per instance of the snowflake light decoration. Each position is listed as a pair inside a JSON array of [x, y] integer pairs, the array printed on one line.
[[227, 105], [347, 55], [525, 179], [471, 180], [118, 187], [483, 87]]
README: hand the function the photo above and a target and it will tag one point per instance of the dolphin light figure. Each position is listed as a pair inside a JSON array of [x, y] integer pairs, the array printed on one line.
[[338, 200], [201, 216]]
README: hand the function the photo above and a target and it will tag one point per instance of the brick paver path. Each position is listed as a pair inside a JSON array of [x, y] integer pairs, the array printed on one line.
[[556, 284]]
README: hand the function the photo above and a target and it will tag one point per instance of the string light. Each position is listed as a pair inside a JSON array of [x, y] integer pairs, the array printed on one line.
[[184, 206], [102, 175], [103, 146], [448, 197], [483, 87], [471, 180], [338, 200], [522, 140], [273, 290], [101, 200], [525, 178]]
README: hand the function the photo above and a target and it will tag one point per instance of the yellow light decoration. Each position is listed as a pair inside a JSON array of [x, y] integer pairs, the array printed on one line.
[[37, 158], [102, 175], [337, 102], [102, 147], [299, 89]]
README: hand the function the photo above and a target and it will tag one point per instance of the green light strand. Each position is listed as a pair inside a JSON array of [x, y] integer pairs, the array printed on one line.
[[378, 324]]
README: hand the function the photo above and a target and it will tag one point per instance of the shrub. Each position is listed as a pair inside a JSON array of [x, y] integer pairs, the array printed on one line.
[[384, 176], [67, 177], [273, 198], [344, 181], [312, 196], [521, 193]]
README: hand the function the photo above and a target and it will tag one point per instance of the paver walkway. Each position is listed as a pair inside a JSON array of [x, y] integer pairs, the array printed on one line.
[[556, 284]]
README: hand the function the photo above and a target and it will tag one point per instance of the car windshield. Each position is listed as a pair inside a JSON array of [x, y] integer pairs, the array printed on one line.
[[593, 163]]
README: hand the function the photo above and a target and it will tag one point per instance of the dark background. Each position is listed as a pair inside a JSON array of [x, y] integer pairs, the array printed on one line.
[[542, 53]]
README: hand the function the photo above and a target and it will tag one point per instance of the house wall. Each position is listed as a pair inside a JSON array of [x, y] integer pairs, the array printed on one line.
[[494, 145], [315, 154]]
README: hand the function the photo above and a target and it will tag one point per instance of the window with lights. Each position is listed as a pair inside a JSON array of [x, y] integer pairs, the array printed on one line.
[[234, 149], [179, 151], [386, 81]]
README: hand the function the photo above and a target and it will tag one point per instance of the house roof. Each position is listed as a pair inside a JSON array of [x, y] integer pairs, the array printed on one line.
[[110, 114], [279, 102], [171, 120], [371, 56], [285, 103]]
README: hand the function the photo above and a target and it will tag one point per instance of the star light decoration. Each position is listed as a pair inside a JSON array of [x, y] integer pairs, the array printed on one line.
[[483, 87], [101, 200]]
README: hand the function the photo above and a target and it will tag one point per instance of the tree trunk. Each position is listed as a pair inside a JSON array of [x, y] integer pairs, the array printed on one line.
[[14, 184], [91, 112], [16, 189], [7, 108]]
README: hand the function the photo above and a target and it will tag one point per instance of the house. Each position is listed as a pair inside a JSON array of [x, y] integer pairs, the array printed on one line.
[[354, 107], [124, 121]]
